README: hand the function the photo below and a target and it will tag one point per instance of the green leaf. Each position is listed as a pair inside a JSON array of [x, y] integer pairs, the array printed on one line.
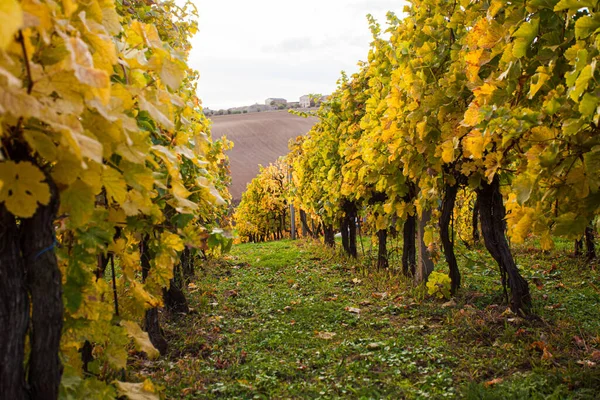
[[78, 202], [581, 83], [570, 225], [524, 36], [523, 186], [572, 126], [592, 168], [574, 5], [588, 104], [115, 185], [586, 25]]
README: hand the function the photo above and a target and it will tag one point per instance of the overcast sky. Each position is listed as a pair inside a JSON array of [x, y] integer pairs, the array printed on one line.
[[247, 51]]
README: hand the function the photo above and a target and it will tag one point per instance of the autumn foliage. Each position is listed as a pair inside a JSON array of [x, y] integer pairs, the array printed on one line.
[[106, 159]]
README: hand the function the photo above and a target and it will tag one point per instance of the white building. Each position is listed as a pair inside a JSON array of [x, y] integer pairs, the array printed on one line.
[[305, 101]]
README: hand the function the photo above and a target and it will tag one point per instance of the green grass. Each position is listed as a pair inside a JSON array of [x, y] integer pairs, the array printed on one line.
[[275, 320]]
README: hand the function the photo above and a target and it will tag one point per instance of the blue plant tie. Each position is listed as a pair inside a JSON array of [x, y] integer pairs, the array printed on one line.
[[54, 243]]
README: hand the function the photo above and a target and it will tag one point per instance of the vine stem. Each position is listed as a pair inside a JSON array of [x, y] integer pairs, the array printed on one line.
[[27, 65]]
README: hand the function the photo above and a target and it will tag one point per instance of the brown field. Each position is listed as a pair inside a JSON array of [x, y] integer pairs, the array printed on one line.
[[259, 138]]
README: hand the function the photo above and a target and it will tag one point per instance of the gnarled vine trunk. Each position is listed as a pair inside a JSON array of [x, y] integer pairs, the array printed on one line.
[[174, 297], [409, 249], [14, 310], [348, 228], [305, 228], [492, 211], [447, 242], [590, 243], [328, 235], [151, 322], [187, 265], [44, 283], [382, 256]]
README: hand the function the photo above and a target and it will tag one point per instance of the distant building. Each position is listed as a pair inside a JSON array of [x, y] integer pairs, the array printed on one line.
[[306, 101], [273, 101]]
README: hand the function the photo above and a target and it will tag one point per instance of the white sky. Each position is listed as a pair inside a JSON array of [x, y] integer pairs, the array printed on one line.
[[247, 51]]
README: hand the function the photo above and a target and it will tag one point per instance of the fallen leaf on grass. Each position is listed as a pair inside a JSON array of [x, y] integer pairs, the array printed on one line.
[[546, 355], [353, 310], [365, 303], [374, 346], [325, 335], [586, 363], [538, 345], [493, 382], [507, 312], [553, 306], [137, 391], [595, 355], [380, 295], [579, 341], [356, 281], [450, 303]]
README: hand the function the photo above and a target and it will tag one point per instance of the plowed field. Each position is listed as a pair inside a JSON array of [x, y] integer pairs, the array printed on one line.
[[260, 138]]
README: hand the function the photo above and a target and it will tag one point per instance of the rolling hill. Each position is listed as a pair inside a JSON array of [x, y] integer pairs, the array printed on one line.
[[259, 138]]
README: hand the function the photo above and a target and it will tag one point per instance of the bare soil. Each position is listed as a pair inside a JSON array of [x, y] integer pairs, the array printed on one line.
[[259, 139]]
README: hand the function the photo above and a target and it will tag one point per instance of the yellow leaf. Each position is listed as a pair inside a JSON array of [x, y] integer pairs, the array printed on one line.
[[172, 73], [115, 185], [473, 145], [82, 64], [69, 7], [171, 241], [11, 19], [89, 147], [136, 391], [546, 241], [155, 113], [148, 33], [472, 115], [448, 151], [23, 188], [141, 339]]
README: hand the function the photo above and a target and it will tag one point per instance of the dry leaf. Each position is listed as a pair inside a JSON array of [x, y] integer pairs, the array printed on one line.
[[450, 303], [586, 363], [325, 335], [578, 341], [353, 310], [380, 295], [493, 382], [546, 354]]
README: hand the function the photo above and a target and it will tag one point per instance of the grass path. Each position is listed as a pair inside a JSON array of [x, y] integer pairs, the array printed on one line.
[[291, 320]]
